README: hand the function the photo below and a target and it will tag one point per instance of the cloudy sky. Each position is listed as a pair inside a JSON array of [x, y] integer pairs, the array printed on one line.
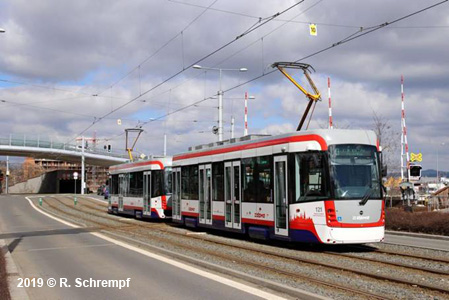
[[72, 67]]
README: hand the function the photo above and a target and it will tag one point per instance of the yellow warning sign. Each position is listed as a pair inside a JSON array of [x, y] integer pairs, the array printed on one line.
[[312, 29], [416, 156]]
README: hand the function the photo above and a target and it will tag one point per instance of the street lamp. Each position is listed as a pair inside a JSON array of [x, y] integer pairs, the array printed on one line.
[[2, 30], [220, 97]]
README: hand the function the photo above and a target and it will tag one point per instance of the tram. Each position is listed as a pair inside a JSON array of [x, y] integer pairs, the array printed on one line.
[[321, 186], [141, 189]]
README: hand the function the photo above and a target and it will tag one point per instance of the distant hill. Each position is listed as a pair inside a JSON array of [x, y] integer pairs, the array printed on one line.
[[425, 173], [433, 173]]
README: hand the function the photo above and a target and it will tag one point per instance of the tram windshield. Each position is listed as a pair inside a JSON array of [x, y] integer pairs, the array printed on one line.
[[354, 171]]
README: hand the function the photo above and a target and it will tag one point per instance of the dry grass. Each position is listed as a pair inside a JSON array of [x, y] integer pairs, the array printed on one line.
[[424, 222], [4, 292]]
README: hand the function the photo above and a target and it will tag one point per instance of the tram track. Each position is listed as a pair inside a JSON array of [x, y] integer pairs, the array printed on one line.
[[371, 249], [273, 254]]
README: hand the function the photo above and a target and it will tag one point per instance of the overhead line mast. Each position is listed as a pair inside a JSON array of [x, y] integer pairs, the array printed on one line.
[[404, 143]]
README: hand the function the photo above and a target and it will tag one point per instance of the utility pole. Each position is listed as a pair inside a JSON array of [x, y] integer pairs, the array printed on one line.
[[331, 125], [404, 143], [220, 97], [232, 127], [7, 175], [165, 144], [83, 184]]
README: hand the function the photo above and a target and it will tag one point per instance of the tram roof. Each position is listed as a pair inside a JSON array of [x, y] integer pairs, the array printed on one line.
[[325, 137], [151, 163]]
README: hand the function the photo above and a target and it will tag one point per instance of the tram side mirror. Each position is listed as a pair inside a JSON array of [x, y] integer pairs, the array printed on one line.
[[384, 170]]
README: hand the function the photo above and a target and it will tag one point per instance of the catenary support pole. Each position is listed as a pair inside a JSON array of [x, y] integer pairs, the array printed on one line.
[[83, 184]]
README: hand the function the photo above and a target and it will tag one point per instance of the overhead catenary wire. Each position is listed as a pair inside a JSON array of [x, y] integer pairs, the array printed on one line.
[[298, 22], [341, 42], [189, 66], [181, 33]]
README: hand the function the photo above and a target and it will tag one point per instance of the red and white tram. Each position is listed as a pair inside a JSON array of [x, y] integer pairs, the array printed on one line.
[[141, 189], [313, 186]]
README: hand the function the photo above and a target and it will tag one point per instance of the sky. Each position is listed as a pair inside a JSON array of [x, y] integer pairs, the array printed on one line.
[[72, 68]]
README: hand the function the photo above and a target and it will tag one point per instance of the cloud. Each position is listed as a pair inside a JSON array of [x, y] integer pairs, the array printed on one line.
[[88, 48]]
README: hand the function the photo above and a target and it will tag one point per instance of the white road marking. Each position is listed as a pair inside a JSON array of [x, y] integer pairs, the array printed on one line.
[[219, 279], [68, 247]]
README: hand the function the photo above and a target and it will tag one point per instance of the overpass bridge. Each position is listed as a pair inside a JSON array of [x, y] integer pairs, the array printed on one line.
[[47, 148]]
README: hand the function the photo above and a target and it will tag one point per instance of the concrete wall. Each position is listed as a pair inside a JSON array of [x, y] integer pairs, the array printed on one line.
[[32, 186], [58, 181]]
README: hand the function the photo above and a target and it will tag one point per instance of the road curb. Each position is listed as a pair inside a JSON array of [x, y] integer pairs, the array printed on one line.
[[13, 274], [422, 235]]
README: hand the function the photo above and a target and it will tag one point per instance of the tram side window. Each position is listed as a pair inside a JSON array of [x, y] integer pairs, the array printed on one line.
[[310, 179], [157, 183], [136, 184], [168, 180], [257, 176], [189, 183], [218, 181], [114, 185]]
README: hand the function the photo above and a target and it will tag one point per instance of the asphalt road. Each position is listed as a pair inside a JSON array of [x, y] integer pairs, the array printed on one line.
[[45, 248], [417, 241]]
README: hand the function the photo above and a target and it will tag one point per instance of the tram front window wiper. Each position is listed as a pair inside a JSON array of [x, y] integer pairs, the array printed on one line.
[[366, 197]]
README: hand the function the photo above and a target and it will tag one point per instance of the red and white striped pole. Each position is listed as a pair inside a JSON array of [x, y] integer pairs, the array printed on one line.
[[404, 143], [245, 133], [331, 126]]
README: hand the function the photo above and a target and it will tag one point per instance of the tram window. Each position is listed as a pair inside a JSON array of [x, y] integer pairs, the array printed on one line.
[[185, 180], [157, 183], [310, 179], [249, 189], [194, 187], [189, 182], [257, 179], [136, 184], [168, 180], [218, 181], [114, 185]]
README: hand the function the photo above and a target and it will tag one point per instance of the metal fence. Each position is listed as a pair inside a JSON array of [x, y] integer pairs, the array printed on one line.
[[49, 143]]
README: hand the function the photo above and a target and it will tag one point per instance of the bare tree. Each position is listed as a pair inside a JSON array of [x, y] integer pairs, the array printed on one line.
[[390, 141]]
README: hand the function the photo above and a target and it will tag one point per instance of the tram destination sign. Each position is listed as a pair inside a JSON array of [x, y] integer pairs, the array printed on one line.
[[354, 150]]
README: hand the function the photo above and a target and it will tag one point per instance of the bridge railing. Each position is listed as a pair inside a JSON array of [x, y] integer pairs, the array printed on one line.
[[38, 142]]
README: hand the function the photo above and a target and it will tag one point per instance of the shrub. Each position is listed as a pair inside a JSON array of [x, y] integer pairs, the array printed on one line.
[[424, 222]]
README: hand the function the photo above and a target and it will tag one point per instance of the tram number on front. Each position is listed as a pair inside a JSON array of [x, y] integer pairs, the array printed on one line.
[[318, 209]]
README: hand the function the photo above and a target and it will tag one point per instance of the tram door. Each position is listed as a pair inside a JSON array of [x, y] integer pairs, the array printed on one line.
[[147, 192], [205, 193], [122, 190], [176, 195], [280, 195], [233, 195]]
